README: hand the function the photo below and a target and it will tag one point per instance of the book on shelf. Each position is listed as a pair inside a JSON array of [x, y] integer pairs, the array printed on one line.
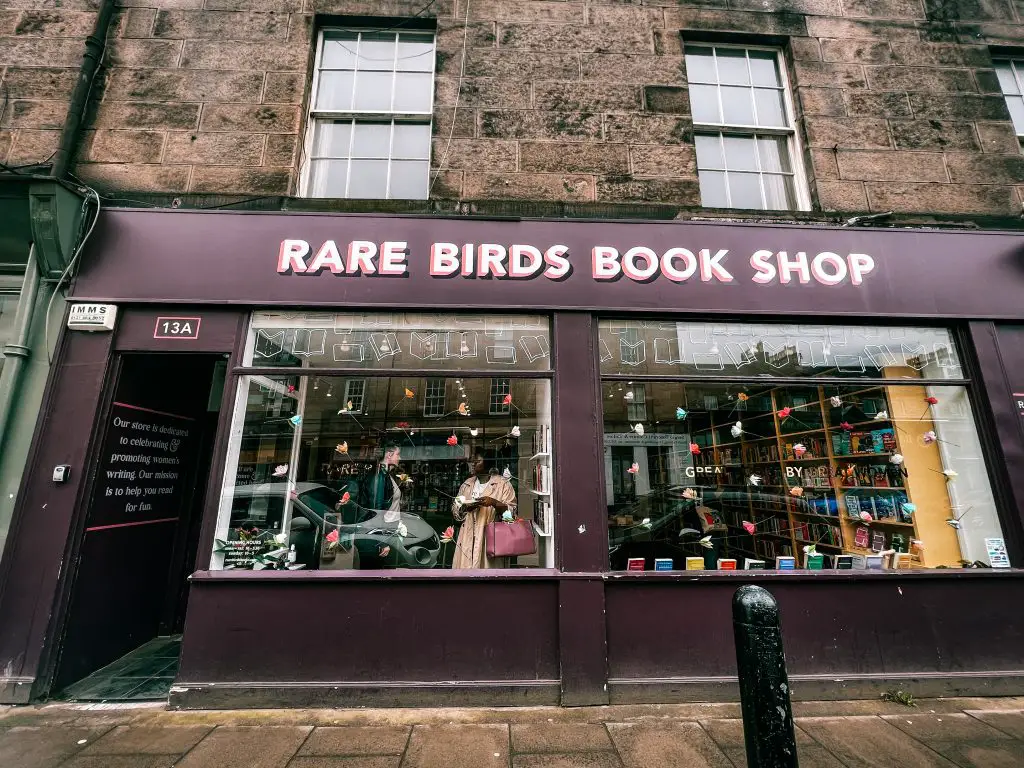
[[635, 564], [663, 563], [785, 563], [842, 562], [752, 564], [815, 561], [695, 563], [726, 564]]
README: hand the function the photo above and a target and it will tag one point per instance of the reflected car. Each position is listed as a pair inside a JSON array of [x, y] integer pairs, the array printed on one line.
[[317, 510]]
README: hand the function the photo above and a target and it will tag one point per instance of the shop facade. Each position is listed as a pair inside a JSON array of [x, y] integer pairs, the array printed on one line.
[[291, 443]]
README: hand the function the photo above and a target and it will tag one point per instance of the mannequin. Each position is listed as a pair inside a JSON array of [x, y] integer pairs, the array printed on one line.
[[488, 496]]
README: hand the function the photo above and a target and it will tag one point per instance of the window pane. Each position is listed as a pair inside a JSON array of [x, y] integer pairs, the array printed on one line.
[[712, 189], [763, 349], [413, 92], [704, 104], [737, 106], [411, 140], [740, 153], [1007, 82], [339, 53], [764, 68], [377, 52], [334, 90], [336, 492], [779, 192], [732, 66], [332, 139], [371, 340], [328, 178], [369, 179], [371, 140], [1016, 106], [816, 488], [745, 190], [770, 109], [774, 153], [416, 53], [409, 180], [709, 151], [373, 91], [700, 67]]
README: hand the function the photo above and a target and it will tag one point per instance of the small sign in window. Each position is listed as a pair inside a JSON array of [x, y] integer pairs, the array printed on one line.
[[177, 328]]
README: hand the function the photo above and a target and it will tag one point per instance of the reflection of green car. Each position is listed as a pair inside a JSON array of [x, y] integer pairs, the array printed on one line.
[[317, 510]]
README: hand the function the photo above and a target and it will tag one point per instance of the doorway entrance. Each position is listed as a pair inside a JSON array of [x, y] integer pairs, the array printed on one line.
[[129, 592]]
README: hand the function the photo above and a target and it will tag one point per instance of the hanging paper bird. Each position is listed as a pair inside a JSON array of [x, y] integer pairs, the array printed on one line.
[[796, 491], [881, 416], [639, 429], [409, 394], [403, 424], [754, 479], [749, 527], [932, 400], [516, 433], [799, 450], [736, 429], [463, 409], [633, 468], [929, 437], [784, 413], [950, 473], [896, 458], [473, 432], [706, 543], [280, 470], [866, 517], [908, 508], [836, 401], [507, 400], [385, 551], [680, 413], [695, 449], [345, 498], [846, 426], [342, 447], [954, 522], [507, 474], [296, 420], [743, 397], [628, 396], [690, 494], [453, 440], [646, 523], [291, 387]]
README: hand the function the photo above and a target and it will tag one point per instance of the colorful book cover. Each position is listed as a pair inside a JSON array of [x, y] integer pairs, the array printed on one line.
[[877, 541], [726, 564], [635, 564], [862, 537], [695, 563], [663, 563]]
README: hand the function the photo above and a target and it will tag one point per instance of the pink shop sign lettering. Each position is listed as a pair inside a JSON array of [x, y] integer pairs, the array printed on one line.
[[606, 263]]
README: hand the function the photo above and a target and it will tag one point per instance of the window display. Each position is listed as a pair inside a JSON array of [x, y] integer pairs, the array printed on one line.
[[756, 475], [331, 470]]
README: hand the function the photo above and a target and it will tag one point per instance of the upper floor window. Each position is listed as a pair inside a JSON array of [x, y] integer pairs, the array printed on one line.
[[372, 102], [1011, 79], [743, 129], [434, 401]]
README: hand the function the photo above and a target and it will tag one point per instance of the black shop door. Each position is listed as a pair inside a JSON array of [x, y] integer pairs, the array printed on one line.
[[142, 522]]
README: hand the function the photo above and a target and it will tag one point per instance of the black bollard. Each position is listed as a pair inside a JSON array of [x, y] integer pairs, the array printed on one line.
[[764, 685]]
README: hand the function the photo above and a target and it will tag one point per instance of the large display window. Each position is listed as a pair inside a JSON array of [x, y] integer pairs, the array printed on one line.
[[393, 440], [818, 448]]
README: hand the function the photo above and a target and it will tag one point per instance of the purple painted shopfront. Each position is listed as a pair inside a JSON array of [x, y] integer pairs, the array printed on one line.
[[283, 449]]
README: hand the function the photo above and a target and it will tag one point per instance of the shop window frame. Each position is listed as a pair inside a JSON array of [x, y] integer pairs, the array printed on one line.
[[1015, 63]]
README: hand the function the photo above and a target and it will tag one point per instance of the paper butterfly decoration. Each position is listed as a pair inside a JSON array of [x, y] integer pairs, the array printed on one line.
[[796, 491], [385, 551], [896, 458], [402, 530], [341, 447], [291, 387], [345, 498], [866, 517], [628, 396], [929, 437], [296, 420], [932, 400], [784, 413], [743, 397], [706, 543], [507, 400], [453, 440], [507, 474], [348, 405], [332, 537], [694, 449], [409, 394], [754, 479], [736, 429], [645, 523], [680, 413], [748, 527], [846, 426], [799, 450], [280, 470], [633, 468], [639, 429], [474, 431], [516, 433], [836, 401], [448, 534], [908, 507], [881, 416], [463, 409], [690, 494]]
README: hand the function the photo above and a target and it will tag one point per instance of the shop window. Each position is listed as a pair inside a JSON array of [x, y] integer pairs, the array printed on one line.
[[822, 470], [434, 400], [370, 116], [328, 472], [1011, 80], [743, 128]]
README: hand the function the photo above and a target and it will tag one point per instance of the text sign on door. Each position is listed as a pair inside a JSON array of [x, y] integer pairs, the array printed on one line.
[[177, 328]]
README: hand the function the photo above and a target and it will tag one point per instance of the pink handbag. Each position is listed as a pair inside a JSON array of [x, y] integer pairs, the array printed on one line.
[[510, 539]]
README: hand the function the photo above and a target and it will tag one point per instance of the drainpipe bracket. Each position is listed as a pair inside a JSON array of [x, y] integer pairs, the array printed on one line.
[[16, 350]]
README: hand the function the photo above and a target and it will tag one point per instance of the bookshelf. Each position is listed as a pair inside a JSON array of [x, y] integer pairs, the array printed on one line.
[[844, 470]]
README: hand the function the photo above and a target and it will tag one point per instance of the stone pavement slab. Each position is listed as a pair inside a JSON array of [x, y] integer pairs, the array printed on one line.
[[120, 761], [148, 740], [567, 760], [356, 740], [266, 746], [39, 747], [458, 746], [870, 742], [1011, 723], [728, 735], [364, 761], [641, 745], [965, 740], [560, 737]]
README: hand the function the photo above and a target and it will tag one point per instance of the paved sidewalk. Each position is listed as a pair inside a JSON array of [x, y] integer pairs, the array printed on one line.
[[938, 733]]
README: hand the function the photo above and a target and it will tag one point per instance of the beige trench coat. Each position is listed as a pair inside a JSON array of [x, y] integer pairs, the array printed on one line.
[[471, 545]]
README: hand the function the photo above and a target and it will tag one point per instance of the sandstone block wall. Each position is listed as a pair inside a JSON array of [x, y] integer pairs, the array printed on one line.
[[567, 100]]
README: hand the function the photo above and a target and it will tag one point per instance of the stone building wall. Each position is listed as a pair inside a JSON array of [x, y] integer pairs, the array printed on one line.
[[898, 105]]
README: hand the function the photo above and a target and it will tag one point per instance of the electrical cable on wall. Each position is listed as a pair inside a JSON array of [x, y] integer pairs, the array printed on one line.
[[455, 110]]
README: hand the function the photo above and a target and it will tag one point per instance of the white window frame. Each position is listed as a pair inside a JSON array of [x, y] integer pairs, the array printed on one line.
[[636, 409], [793, 144], [430, 397], [1017, 70], [499, 388], [358, 401], [313, 115]]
